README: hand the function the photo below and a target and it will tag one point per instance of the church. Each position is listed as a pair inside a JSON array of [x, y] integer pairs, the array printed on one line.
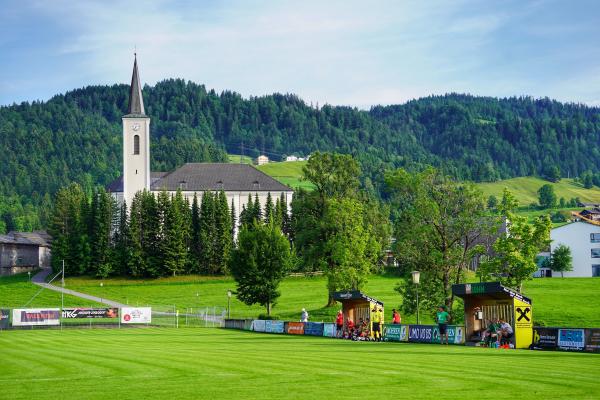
[[236, 180]]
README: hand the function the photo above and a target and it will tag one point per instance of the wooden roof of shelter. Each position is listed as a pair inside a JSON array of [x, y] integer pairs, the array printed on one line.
[[494, 290], [354, 295]]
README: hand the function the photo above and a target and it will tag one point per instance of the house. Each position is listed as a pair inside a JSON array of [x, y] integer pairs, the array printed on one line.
[[236, 180], [591, 214], [583, 238], [291, 158], [262, 160], [24, 251]]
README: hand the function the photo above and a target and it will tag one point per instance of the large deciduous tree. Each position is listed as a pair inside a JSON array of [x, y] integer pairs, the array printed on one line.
[[562, 260], [260, 263], [439, 225]]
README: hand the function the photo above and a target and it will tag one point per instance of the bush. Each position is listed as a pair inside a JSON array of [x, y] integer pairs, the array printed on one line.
[[268, 317], [558, 217]]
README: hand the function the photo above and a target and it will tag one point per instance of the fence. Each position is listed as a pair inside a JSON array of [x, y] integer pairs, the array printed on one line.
[[111, 317]]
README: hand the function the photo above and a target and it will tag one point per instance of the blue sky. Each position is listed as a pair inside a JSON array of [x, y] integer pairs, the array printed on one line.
[[356, 53]]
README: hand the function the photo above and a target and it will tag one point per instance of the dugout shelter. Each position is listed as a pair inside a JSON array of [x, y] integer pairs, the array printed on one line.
[[357, 305], [488, 301]]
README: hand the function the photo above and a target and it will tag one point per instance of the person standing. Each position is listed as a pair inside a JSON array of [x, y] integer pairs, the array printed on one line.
[[376, 323], [339, 323], [442, 318], [396, 319], [304, 316]]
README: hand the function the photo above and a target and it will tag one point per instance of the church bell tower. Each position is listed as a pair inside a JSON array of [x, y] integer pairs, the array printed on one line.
[[136, 142]]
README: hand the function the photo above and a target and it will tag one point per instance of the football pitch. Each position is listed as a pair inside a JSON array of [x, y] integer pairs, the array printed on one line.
[[204, 363]]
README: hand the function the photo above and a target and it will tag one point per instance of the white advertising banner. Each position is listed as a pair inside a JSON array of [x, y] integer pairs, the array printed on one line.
[[35, 316], [136, 315]]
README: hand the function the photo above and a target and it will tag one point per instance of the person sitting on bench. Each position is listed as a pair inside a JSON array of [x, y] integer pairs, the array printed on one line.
[[490, 335], [505, 333]]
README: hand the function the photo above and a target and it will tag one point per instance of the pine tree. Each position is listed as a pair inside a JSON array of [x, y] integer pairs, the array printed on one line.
[[247, 212], [223, 240], [257, 213], [207, 231], [233, 220], [286, 223], [269, 209], [151, 234], [121, 247], [136, 262], [196, 244], [100, 234], [174, 235]]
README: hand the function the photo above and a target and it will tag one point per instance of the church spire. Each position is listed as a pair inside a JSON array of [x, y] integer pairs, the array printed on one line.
[[136, 101]]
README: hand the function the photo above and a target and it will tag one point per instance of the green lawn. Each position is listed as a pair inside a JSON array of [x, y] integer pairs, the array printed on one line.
[[525, 189], [553, 299], [16, 291], [235, 158], [557, 302], [197, 363], [288, 173]]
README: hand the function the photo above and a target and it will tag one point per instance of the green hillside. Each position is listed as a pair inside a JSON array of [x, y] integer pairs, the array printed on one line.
[[288, 173], [525, 189], [311, 293], [235, 159]]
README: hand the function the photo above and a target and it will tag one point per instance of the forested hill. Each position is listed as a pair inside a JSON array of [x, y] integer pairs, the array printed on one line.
[[77, 137]]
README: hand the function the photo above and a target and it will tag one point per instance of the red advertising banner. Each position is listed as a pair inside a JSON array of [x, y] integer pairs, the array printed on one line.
[[295, 328]]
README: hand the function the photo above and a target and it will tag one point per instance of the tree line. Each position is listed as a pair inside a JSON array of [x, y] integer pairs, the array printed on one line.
[[157, 235]]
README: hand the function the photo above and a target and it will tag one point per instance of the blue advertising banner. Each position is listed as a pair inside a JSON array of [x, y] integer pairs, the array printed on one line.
[[274, 326], [313, 328], [329, 330], [421, 333], [571, 339]]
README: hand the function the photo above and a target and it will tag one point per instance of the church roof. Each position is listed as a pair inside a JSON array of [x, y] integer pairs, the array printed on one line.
[[199, 177], [136, 101]]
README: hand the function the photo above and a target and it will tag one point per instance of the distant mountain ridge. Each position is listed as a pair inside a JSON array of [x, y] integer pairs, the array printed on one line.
[[76, 136]]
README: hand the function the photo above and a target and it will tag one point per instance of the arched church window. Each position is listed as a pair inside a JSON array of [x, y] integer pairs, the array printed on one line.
[[136, 144]]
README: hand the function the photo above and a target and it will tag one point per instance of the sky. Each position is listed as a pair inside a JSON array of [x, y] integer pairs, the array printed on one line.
[[357, 53]]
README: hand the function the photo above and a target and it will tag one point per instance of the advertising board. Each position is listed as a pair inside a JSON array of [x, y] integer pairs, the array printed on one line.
[[274, 326], [329, 330], [4, 316], [259, 325], [35, 317], [395, 333], [421, 333], [545, 338], [294, 328], [136, 315], [313, 328], [72, 313], [592, 340], [571, 339]]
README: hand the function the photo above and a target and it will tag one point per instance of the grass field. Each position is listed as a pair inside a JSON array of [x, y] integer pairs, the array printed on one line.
[[557, 302], [525, 189], [565, 302], [16, 291], [235, 158], [288, 173], [198, 363]]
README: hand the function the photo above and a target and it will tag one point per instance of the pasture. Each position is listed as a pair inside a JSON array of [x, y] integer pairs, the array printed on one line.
[[557, 302], [159, 363]]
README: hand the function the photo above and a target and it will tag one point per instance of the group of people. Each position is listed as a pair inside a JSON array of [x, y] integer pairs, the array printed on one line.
[[348, 329], [497, 334]]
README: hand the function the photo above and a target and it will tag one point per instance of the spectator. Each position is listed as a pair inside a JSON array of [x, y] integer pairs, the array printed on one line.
[[396, 319], [339, 323], [443, 318], [304, 317], [505, 332]]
